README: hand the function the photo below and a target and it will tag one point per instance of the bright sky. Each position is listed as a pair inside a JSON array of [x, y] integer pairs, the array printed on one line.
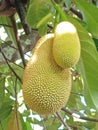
[[2, 34]]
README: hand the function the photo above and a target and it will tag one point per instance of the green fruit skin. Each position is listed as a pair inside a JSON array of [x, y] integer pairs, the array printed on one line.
[[46, 86], [66, 45]]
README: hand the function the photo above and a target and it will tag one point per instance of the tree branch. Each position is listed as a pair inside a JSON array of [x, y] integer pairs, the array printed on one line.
[[8, 91], [73, 114], [62, 121], [33, 38], [9, 65], [76, 13], [18, 40], [14, 63], [22, 13], [6, 9]]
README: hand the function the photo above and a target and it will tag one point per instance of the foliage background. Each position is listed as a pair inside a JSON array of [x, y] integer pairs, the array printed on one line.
[[81, 111]]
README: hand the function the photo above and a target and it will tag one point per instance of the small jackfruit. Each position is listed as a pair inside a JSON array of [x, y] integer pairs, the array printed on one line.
[[46, 86], [66, 45]]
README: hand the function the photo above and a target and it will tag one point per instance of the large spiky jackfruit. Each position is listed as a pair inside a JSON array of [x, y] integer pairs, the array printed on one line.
[[46, 86]]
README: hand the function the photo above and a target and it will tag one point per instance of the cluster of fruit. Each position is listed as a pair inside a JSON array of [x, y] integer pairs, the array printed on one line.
[[47, 76]]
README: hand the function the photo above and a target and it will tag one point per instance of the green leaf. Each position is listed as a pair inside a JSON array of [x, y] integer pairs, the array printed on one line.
[[4, 123], [28, 126], [8, 29], [96, 43], [25, 125], [88, 64], [5, 110], [43, 29], [90, 16], [76, 94], [52, 123], [2, 90], [67, 3], [38, 12]]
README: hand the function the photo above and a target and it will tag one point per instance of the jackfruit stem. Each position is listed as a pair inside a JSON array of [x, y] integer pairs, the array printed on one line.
[[59, 9], [62, 121]]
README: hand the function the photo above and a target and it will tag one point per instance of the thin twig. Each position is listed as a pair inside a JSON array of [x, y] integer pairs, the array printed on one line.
[[73, 114], [76, 13], [5, 25], [79, 94], [13, 47], [18, 40], [22, 13], [9, 65], [15, 63], [8, 91], [16, 106], [62, 121]]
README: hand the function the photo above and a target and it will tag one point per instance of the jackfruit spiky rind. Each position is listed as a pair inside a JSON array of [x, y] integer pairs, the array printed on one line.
[[46, 86], [66, 45]]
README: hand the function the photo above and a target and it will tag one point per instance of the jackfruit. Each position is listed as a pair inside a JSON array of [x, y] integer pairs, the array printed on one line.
[[14, 122], [46, 86], [66, 45]]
